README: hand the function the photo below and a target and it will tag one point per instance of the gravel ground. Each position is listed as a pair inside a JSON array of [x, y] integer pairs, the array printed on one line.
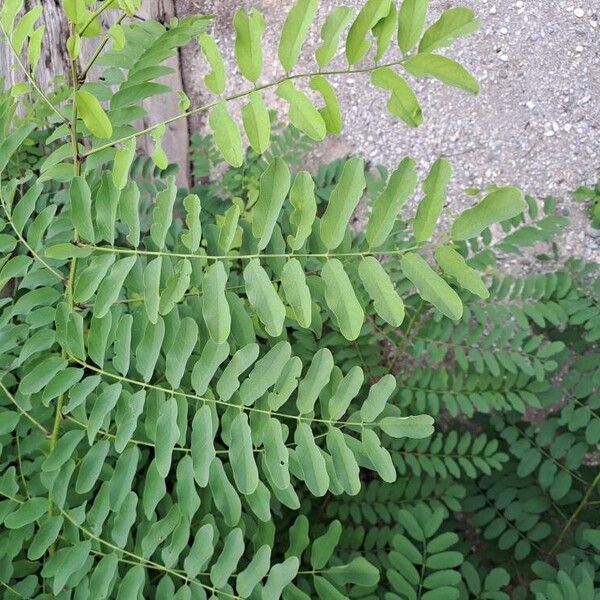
[[536, 123]]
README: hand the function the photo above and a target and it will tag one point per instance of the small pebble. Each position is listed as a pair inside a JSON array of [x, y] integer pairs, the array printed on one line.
[[579, 12]]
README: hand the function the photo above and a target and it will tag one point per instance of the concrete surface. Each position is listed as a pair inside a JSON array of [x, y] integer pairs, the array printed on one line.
[[536, 123]]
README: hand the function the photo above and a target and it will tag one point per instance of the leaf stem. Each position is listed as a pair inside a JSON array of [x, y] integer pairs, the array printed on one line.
[[247, 92]]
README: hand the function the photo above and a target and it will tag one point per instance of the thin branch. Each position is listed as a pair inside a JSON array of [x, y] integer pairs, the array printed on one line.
[[23, 411]]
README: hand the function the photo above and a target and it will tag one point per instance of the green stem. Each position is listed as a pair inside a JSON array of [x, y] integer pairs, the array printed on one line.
[[23, 411], [247, 92], [101, 46], [574, 516], [105, 5]]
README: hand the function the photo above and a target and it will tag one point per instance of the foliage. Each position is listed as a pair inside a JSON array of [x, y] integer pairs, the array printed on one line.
[[591, 196], [230, 391]]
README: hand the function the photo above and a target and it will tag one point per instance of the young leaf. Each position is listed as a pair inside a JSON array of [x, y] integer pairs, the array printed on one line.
[[430, 207], [249, 26], [343, 200], [215, 309], [411, 20], [454, 265], [331, 112], [226, 134], [294, 32], [296, 292], [501, 205], [371, 13], [274, 187], [331, 32], [403, 102], [342, 300], [386, 301], [431, 286], [303, 115], [241, 455], [257, 123], [445, 69], [215, 80], [400, 187], [263, 298], [454, 22], [303, 201], [93, 115]]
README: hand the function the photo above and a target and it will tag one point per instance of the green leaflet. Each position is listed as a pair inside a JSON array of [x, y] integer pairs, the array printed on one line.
[[241, 455], [331, 112], [224, 495], [168, 435], [212, 356], [274, 186], [500, 205], [228, 227], [343, 200], [201, 551], [454, 265], [148, 350], [315, 380], [379, 394], [110, 288], [430, 208], [93, 115], [384, 31], [403, 102], [256, 570], [347, 389], [129, 409], [344, 464], [302, 113], [87, 282], [311, 461], [276, 455], [176, 287], [193, 236], [162, 215], [454, 22], [203, 449], [226, 563], [303, 201], [215, 80], [180, 352], [331, 32], [257, 122], [442, 68], [226, 134], [229, 381], [342, 300], [388, 304], [91, 465], [215, 309], [323, 547], [129, 212], [411, 20], [152, 288], [371, 13], [249, 26], [263, 298], [29, 511], [106, 203], [400, 187], [416, 427], [294, 32], [296, 292], [380, 458], [66, 251], [431, 286], [81, 208], [123, 159]]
